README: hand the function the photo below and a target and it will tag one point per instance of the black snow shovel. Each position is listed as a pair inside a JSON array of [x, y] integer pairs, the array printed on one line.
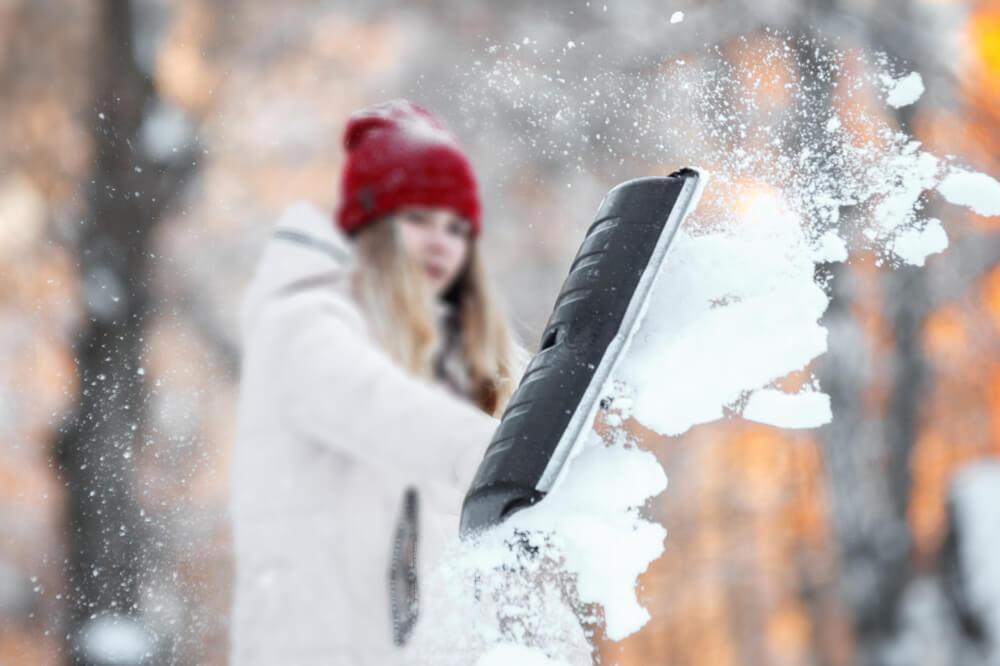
[[599, 306]]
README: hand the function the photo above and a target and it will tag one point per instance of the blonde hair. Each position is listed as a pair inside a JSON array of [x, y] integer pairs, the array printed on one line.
[[399, 307]]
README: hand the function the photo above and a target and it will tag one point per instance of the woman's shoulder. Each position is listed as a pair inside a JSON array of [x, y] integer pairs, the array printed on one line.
[[307, 261], [304, 223]]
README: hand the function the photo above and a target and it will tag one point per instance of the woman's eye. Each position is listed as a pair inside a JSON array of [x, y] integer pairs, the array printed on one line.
[[460, 228], [414, 217]]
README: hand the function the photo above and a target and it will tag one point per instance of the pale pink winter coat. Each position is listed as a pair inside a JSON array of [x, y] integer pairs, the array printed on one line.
[[329, 433]]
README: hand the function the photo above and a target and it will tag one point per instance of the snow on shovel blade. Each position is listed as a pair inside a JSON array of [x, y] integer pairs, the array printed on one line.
[[598, 307]]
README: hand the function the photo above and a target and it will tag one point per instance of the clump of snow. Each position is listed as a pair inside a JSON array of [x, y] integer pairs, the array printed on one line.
[[977, 191], [903, 91], [829, 248], [530, 580], [806, 409], [914, 245], [677, 17], [912, 172], [593, 513], [739, 306]]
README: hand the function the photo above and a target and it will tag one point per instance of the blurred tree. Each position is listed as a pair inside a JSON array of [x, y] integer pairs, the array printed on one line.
[[869, 449], [128, 192]]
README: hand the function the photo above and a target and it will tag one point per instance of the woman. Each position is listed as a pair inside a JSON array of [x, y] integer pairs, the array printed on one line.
[[374, 364]]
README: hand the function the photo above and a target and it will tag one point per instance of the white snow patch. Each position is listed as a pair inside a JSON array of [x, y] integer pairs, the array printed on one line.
[[977, 191], [914, 245], [830, 248], [903, 91], [677, 17], [906, 176], [807, 409]]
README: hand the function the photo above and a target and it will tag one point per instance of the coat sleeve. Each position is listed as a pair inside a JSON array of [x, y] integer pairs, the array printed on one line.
[[345, 393]]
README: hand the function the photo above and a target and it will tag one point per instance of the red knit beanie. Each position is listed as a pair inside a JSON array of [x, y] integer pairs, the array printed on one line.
[[399, 154]]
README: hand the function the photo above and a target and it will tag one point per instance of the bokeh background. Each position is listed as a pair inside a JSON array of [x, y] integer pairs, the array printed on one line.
[[146, 148]]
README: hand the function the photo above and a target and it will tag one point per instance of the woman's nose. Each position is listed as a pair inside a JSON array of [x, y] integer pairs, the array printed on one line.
[[437, 241]]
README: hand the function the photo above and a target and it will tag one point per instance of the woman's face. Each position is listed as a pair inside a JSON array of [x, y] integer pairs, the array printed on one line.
[[438, 240]]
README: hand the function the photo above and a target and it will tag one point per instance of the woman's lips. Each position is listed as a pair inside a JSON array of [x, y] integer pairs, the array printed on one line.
[[434, 272]]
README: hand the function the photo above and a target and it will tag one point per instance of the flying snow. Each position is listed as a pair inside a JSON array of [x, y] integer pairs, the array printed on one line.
[[904, 91], [735, 310], [977, 191]]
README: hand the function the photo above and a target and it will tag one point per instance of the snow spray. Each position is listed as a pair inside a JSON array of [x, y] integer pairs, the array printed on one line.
[[736, 308]]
